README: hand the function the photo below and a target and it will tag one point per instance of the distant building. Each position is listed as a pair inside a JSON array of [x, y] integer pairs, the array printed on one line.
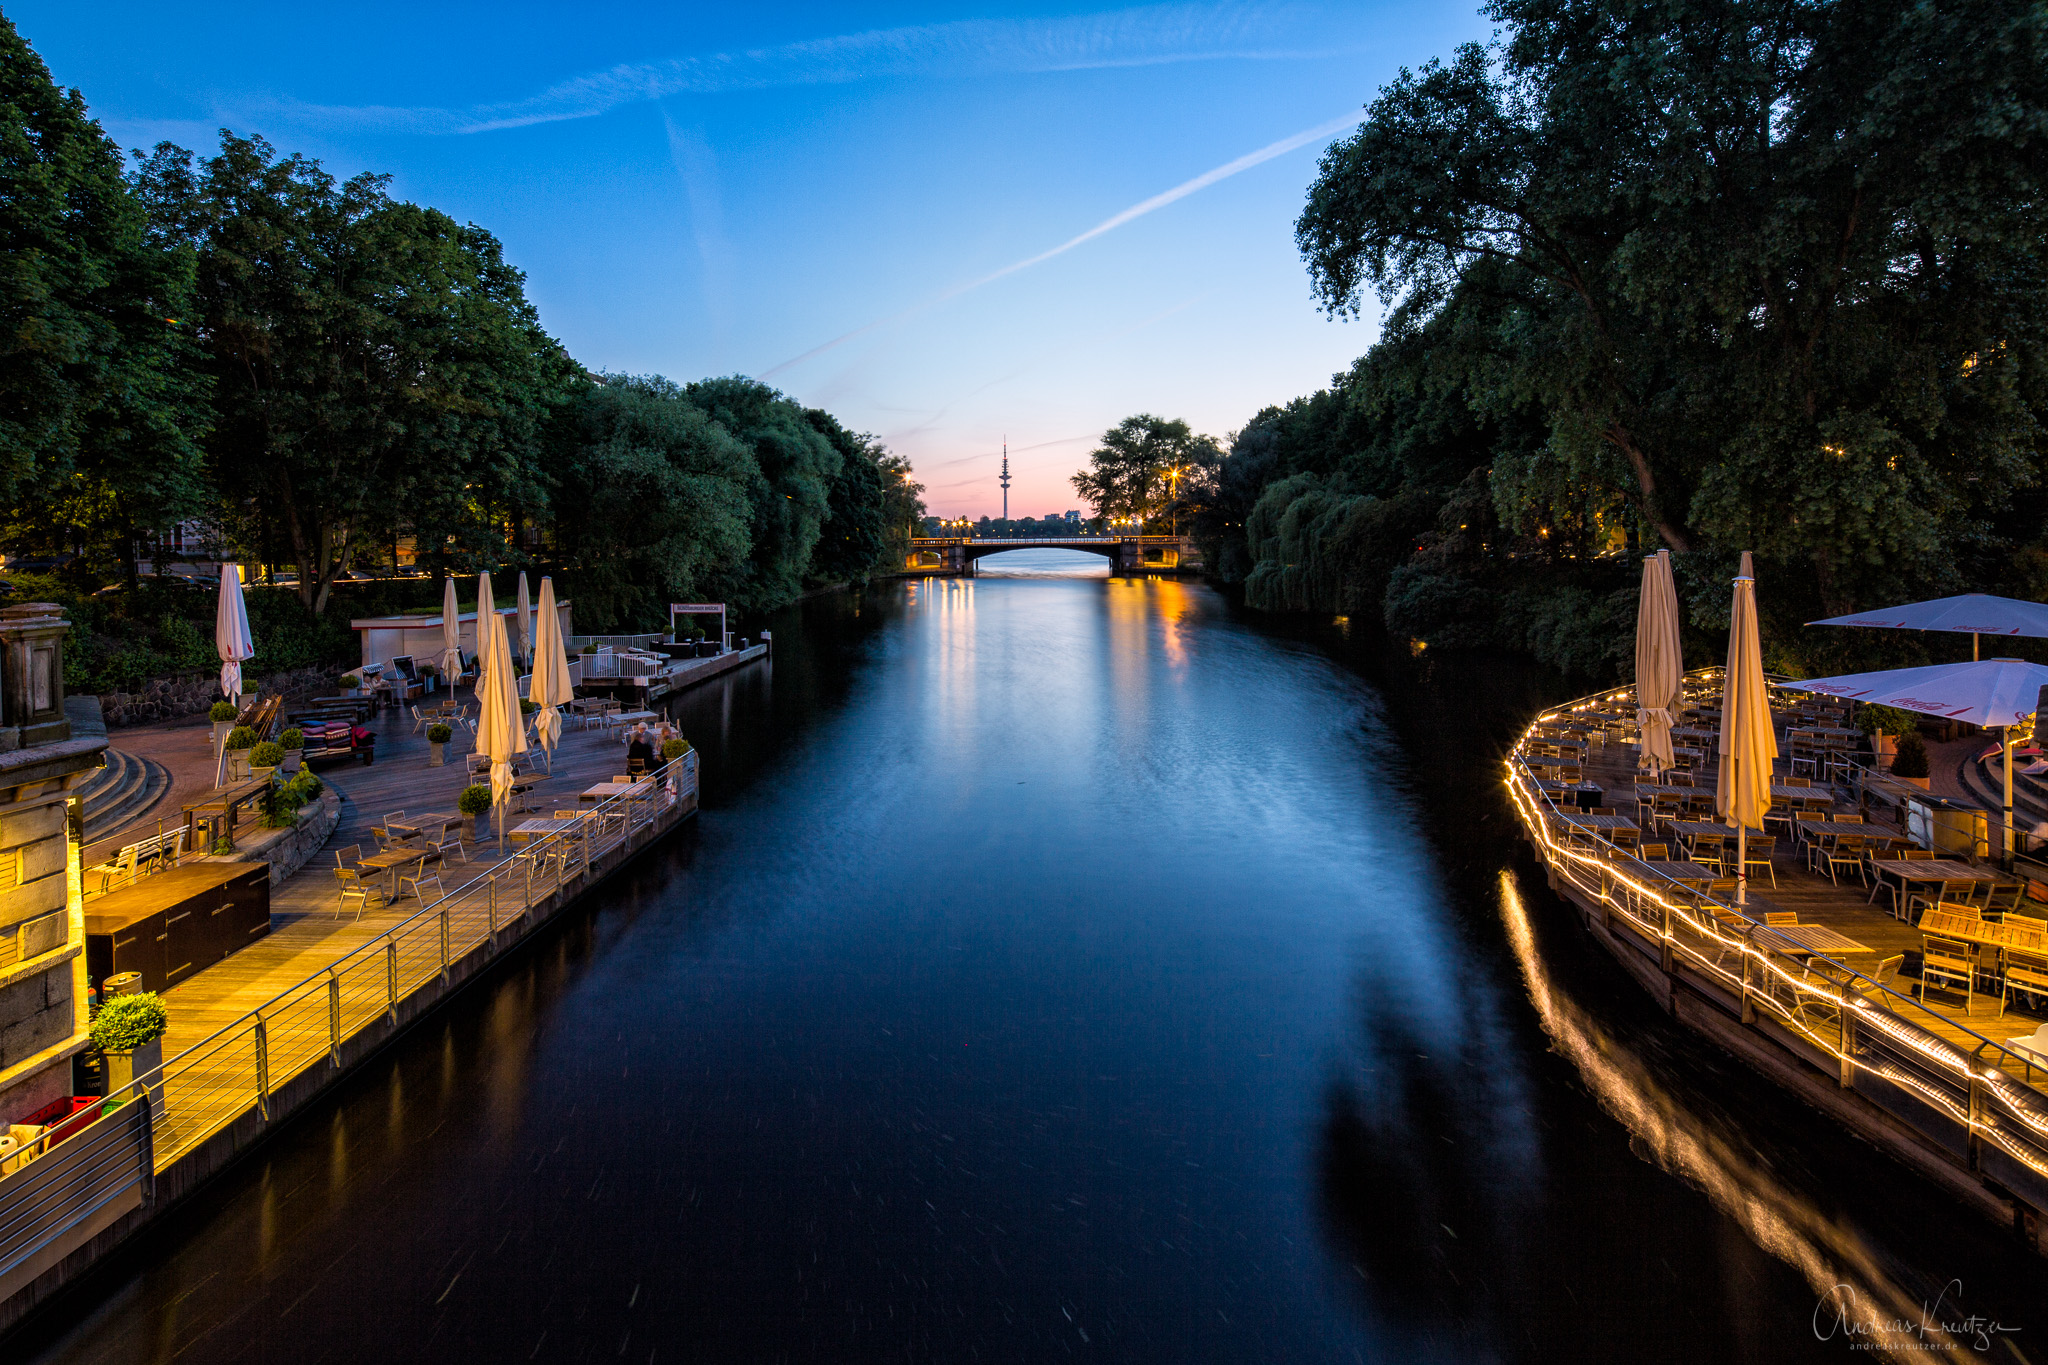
[[1073, 516]]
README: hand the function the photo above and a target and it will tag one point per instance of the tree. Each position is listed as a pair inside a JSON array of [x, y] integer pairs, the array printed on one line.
[[99, 404], [1135, 471], [651, 499], [376, 365], [851, 542], [1772, 273], [791, 490]]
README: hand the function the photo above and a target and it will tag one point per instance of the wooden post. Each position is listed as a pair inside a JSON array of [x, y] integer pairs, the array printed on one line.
[[262, 1069], [333, 1017]]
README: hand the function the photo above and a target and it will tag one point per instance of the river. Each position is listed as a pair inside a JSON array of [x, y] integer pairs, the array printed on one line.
[[1060, 966]]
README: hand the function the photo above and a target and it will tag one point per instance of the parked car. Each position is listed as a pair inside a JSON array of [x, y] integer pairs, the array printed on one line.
[[39, 563]]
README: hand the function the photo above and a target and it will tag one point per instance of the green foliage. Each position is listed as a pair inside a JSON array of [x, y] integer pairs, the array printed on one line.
[[351, 680], [1886, 720], [1911, 759], [242, 737], [475, 799], [127, 1022], [304, 787], [221, 712], [674, 749], [268, 754], [293, 738], [1133, 472], [790, 495], [100, 406], [439, 734]]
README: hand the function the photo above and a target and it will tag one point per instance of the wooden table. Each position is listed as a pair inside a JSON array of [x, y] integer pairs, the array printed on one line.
[[437, 822], [229, 802], [1807, 939], [605, 791], [1694, 732], [1948, 923], [1688, 874], [1940, 873], [526, 831], [631, 718], [391, 860]]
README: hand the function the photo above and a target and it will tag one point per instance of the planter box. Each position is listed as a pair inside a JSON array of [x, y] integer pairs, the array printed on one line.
[[436, 755], [124, 1067]]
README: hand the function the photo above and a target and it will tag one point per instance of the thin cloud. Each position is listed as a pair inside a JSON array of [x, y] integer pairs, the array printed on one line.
[[1109, 224], [1152, 36]]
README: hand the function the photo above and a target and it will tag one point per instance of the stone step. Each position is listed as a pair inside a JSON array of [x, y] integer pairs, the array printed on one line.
[[122, 792], [1986, 784]]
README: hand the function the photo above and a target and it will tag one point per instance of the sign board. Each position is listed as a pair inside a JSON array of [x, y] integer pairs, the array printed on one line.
[[676, 609]]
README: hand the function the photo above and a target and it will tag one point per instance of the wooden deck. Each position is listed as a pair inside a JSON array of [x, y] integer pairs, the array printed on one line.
[[310, 940], [1845, 908]]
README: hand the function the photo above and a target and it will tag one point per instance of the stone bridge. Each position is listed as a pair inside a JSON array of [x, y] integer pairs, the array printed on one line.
[[947, 555]]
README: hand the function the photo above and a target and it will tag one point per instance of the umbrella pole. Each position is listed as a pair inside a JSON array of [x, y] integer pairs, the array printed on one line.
[[2008, 795], [1741, 839], [1974, 655]]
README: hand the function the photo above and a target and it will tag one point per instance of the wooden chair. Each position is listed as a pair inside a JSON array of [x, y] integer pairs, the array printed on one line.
[[417, 879], [451, 849], [1846, 856], [1707, 850], [2026, 973], [1886, 972], [1781, 919], [352, 884], [121, 867], [1654, 853], [2001, 898], [389, 839], [1947, 960], [348, 857], [393, 816], [420, 719], [1761, 846]]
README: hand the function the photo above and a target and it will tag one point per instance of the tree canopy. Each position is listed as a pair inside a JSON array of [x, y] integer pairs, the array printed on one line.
[[1137, 470]]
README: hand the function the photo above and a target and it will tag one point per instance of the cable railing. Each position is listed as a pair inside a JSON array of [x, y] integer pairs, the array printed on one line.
[[240, 1068], [1975, 1099]]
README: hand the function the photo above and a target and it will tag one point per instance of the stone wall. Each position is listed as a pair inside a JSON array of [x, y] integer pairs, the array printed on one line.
[[192, 693]]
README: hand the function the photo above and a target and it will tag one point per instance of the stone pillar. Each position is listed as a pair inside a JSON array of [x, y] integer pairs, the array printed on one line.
[[32, 675]]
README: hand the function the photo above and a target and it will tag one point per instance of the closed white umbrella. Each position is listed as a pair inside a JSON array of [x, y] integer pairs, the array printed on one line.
[[525, 619], [486, 605], [499, 730], [231, 631], [551, 687], [1994, 693], [1748, 745], [451, 633], [1659, 668]]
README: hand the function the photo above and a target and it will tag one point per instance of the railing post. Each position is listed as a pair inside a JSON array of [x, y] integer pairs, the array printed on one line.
[[491, 896], [147, 1155], [391, 977], [333, 1018], [1848, 1015], [444, 943], [1664, 933], [1748, 1003], [262, 1068], [1976, 1119]]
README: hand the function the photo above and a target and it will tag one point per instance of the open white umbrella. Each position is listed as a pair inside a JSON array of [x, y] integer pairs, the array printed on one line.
[[1659, 668], [525, 620], [500, 732], [1973, 613], [550, 687], [231, 632], [1748, 745], [1994, 693], [451, 633]]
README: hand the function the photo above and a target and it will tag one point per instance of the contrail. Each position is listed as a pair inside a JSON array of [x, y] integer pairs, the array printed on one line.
[[1110, 224]]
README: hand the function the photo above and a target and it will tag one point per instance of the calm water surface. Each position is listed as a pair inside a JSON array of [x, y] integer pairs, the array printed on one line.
[[1061, 967]]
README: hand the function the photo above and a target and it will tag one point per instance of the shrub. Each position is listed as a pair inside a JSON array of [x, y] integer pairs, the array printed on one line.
[[242, 737], [351, 680], [1887, 720], [475, 799], [220, 711], [268, 754], [674, 748], [1911, 760], [527, 708], [306, 787], [129, 1021], [439, 734]]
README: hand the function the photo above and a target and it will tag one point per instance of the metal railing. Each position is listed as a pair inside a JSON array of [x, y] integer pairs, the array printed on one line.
[[1976, 1100], [241, 1067]]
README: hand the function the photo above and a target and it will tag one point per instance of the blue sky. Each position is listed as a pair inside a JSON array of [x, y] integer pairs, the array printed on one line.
[[864, 206]]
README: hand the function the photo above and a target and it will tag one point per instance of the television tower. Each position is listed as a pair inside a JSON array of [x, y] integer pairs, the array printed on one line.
[[1005, 480]]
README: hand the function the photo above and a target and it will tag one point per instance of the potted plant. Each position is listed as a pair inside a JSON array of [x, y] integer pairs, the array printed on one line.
[[294, 742], [673, 749], [474, 801], [264, 758], [351, 686], [1910, 763], [527, 708], [222, 714], [1884, 724], [129, 1031], [438, 736]]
